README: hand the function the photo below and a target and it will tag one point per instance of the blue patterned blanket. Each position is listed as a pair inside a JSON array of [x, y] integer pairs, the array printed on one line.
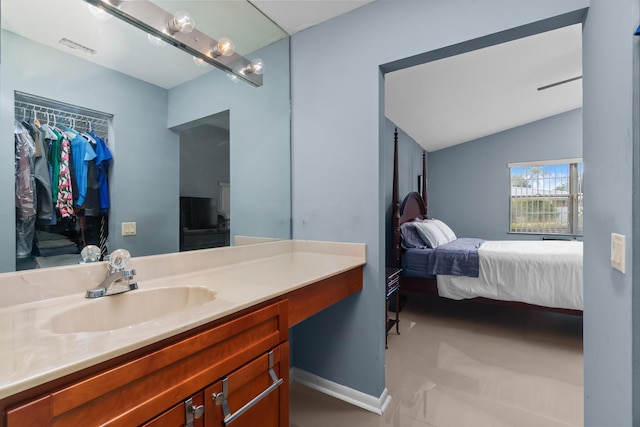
[[456, 258]]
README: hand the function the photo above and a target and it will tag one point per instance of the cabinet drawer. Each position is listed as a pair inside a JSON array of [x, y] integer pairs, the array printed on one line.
[[137, 390], [252, 382], [176, 416]]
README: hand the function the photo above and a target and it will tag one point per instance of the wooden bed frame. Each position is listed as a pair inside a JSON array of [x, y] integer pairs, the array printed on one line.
[[413, 206]]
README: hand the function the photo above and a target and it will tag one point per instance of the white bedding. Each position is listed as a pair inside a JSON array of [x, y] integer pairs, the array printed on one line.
[[546, 273]]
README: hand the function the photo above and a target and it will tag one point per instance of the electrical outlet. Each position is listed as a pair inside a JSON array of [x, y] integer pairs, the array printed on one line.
[[618, 251], [128, 228]]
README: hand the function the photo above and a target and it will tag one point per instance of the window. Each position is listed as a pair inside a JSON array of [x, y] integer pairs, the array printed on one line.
[[546, 197]]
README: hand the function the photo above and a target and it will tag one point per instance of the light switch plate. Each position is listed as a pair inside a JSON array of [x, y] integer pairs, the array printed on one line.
[[618, 251], [128, 228]]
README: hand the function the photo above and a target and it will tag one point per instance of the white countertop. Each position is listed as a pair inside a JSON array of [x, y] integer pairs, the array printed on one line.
[[241, 276]]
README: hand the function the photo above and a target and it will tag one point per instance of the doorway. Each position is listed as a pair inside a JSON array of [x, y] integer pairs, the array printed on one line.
[[205, 213], [468, 188]]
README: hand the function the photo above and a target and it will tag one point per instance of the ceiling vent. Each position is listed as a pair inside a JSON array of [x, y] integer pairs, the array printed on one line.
[[77, 46]]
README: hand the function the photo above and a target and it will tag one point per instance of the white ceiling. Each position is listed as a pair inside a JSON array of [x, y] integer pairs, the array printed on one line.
[[468, 96], [439, 104], [297, 15]]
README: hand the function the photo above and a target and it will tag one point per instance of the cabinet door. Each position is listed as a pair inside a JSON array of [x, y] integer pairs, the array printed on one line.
[[189, 413], [255, 394]]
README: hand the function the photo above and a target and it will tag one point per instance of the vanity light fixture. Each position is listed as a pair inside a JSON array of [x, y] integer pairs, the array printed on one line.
[[99, 12], [199, 62], [156, 41], [181, 22], [255, 67], [179, 30], [224, 47]]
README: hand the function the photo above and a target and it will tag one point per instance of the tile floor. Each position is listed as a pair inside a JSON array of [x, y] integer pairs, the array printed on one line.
[[456, 364]]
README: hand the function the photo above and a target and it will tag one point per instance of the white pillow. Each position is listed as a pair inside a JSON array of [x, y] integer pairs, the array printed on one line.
[[430, 233], [448, 232]]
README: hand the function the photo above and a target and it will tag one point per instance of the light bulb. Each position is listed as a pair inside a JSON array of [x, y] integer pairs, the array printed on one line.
[[224, 47], [199, 61], [99, 13], [156, 41], [181, 22], [256, 67]]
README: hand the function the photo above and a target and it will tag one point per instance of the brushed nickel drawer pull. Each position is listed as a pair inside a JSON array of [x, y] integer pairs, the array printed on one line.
[[221, 398], [192, 412]]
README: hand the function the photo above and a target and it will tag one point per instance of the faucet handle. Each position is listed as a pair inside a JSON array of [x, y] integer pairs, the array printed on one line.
[[90, 253], [119, 259]]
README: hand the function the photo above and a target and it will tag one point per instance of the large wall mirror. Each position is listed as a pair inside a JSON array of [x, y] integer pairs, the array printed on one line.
[[192, 147]]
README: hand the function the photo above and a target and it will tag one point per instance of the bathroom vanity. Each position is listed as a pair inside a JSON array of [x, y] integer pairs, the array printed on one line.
[[203, 341]]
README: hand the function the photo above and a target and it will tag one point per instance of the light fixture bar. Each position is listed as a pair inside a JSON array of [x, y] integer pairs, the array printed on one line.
[[559, 83], [153, 20]]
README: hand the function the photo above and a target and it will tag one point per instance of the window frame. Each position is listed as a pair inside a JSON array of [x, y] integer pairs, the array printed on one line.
[[574, 199]]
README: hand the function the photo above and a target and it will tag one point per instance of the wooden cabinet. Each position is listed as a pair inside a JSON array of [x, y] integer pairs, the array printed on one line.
[[150, 388], [248, 351], [189, 413], [248, 396], [256, 391]]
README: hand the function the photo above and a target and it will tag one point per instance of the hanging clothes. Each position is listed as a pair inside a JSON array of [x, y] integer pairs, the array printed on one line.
[[44, 205], [70, 197], [64, 202], [83, 153], [103, 162], [92, 203], [54, 161], [25, 191]]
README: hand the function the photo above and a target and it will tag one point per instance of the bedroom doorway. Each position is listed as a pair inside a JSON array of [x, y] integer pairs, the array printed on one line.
[[205, 213], [455, 343]]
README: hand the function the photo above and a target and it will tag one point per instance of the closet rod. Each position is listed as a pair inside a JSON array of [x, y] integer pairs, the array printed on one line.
[[79, 122], [28, 108], [63, 106], [83, 118]]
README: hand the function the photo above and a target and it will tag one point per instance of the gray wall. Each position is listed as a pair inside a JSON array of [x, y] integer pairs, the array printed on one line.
[[469, 184], [259, 139], [204, 161], [145, 170], [610, 88], [338, 152]]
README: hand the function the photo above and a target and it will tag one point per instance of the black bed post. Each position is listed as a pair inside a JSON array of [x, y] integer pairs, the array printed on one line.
[[424, 181], [395, 215]]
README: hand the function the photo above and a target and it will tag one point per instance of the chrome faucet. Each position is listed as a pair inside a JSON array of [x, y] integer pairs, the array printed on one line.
[[118, 279]]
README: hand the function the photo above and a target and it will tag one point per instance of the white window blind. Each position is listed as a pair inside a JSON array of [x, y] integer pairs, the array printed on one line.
[[546, 197]]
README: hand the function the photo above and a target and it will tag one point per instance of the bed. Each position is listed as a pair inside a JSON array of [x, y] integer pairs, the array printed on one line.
[[541, 274]]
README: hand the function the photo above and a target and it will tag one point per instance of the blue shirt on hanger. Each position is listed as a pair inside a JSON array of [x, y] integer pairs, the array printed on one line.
[[82, 152]]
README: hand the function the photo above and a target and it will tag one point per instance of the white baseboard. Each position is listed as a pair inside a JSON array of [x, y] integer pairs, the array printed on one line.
[[377, 405]]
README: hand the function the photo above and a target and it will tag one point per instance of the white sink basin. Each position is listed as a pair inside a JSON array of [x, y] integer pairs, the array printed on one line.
[[129, 308]]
